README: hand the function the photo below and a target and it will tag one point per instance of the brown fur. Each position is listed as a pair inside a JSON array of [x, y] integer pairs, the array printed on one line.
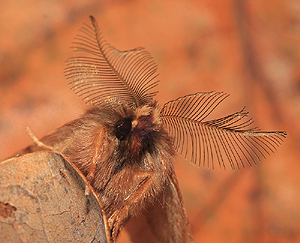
[[129, 176]]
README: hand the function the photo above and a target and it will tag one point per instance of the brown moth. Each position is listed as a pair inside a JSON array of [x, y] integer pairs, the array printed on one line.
[[124, 144]]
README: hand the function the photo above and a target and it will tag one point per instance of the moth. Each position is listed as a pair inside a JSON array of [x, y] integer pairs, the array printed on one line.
[[125, 142]]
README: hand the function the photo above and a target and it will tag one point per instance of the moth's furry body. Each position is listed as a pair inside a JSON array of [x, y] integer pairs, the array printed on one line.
[[124, 144], [130, 174]]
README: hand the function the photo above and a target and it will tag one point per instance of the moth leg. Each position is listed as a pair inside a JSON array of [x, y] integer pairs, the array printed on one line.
[[98, 152], [118, 218], [36, 141]]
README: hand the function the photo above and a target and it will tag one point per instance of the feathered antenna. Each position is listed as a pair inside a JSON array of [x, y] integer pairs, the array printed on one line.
[[104, 75], [226, 140]]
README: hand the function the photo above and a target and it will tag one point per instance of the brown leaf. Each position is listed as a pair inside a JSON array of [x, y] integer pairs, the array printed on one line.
[[42, 200], [6, 209]]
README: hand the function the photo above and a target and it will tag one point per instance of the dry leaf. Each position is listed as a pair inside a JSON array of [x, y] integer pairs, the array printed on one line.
[[42, 200]]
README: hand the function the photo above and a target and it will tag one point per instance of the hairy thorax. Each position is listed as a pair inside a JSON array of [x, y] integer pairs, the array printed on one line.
[[129, 146]]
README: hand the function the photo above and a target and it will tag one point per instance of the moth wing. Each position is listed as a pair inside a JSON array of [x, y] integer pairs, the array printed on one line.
[[164, 221]]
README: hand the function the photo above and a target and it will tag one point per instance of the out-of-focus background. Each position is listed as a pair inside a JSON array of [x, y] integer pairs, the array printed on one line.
[[249, 49]]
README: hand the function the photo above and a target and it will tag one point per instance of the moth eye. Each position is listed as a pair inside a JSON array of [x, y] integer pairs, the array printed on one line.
[[123, 128]]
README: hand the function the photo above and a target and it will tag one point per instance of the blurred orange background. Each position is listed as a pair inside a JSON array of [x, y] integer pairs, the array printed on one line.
[[249, 49]]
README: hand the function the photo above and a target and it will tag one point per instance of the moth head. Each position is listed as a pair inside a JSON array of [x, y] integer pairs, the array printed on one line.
[[138, 130], [108, 78]]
